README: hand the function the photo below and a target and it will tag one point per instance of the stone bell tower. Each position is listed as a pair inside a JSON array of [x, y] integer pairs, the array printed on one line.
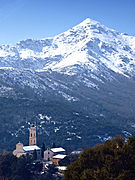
[[32, 136]]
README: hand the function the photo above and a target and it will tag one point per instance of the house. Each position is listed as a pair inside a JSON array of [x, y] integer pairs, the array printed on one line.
[[49, 153], [57, 158], [59, 150], [76, 153]]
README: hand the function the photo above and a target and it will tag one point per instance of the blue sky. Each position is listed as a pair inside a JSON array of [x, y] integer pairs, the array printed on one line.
[[22, 19]]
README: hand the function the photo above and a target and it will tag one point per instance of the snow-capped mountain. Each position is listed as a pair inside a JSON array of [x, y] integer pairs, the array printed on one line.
[[90, 69], [88, 44]]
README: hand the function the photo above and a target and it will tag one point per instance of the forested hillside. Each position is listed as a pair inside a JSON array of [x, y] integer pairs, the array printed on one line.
[[115, 160]]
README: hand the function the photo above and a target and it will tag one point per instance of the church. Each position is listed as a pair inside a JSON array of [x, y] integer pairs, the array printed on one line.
[[23, 150]]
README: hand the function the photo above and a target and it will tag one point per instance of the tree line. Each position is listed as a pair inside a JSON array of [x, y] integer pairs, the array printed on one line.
[[13, 168], [25, 168]]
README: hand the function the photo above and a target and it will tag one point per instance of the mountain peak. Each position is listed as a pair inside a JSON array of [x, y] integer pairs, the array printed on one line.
[[89, 21], [90, 24]]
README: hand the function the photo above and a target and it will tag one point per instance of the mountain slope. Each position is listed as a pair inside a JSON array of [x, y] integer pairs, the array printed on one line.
[[79, 84]]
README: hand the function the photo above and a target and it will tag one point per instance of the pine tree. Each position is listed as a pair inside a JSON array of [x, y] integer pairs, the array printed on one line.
[[53, 145], [34, 154], [42, 150]]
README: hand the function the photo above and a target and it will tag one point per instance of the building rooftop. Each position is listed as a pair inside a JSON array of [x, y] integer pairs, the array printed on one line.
[[76, 152], [59, 156], [31, 148], [63, 168], [60, 149]]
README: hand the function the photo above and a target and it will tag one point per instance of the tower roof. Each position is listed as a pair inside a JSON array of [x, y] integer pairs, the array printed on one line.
[[32, 125]]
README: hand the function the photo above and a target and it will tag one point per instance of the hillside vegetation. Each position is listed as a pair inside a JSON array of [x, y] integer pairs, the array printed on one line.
[[115, 160]]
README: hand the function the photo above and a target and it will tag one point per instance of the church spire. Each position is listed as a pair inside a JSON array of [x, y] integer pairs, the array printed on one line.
[[32, 136]]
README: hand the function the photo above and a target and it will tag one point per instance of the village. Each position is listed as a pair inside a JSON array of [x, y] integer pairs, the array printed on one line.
[[49, 156], [34, 163]]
